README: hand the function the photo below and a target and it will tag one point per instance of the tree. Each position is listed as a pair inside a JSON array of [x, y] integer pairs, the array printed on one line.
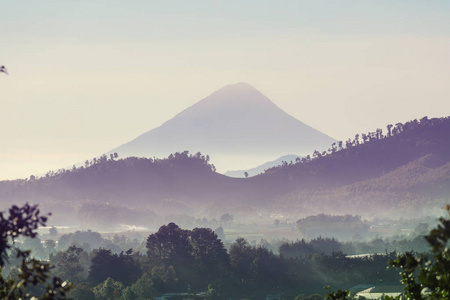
[[389, 129], [24, 221], [3, 69], [241, 258], [71, 264], [211, 293], [220, 233], [210, 256], [316, 154], [333, 147], [82, 291], [379, 133], [364, 137], [109, 289], [170, 245], [398, 128], [170, 254], [49, 246], [339, 295], [102, 267], [118, 267], [226, 218], [143, 288], [53, 231]]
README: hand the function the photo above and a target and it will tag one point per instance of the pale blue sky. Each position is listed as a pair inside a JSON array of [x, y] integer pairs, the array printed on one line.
[[86, 76]]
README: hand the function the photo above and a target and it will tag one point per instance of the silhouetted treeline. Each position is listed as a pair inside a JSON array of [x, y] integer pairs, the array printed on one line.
[[332, 226], [329, 246], [373, 153], [175, 260], [163, 183], [437, 125]]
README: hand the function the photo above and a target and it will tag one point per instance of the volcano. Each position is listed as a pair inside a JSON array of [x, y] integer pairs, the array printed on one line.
[[236, 121]]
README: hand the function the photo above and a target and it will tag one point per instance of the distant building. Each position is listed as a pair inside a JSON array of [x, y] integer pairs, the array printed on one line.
[[360, 287], [184, 296], [377, 292], [273, 297]]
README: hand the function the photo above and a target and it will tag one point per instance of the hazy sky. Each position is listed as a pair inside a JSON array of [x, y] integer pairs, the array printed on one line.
[[87, 76]]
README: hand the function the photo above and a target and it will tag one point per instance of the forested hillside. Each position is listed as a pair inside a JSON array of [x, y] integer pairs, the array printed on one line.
[[134, 180], [406, 167], [372, 154]]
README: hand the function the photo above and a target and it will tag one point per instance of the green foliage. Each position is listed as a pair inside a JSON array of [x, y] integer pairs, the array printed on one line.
[[91, 238], [109, 289], [82, 291], [127, 294], [53, 231], [170, 245], [180, 257], [71, 264], [211, 293], [122, 267], [328, 225], [256, 269], [339, 295], [309, 297], [210, 256], [143, 288], [23, 221], [318, 246]]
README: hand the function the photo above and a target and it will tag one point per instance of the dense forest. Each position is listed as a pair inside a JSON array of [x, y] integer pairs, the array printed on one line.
[[193, 263], [174, 260]]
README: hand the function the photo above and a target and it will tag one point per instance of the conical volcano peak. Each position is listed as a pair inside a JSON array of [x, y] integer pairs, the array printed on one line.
[[240, 87], [238, 94], [234, 121]]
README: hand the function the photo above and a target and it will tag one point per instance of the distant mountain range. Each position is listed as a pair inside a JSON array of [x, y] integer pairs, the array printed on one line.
[[235, 123], [286, 159], [402, 172]]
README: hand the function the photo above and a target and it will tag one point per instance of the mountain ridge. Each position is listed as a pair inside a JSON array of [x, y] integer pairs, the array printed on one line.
[[405, 170]]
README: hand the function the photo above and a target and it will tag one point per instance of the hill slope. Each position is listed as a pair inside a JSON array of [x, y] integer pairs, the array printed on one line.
[[407, 169]]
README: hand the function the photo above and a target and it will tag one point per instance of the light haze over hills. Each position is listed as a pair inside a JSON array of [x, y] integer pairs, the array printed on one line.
[[261, 168], [236, 125], [403, 172]]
